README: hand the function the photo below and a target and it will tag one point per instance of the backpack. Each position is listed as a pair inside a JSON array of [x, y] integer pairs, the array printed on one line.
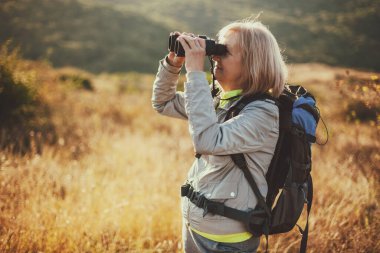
[[289, 181], [290, 184]]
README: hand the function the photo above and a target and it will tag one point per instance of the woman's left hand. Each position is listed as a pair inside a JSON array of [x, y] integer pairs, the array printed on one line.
[[195, 51]]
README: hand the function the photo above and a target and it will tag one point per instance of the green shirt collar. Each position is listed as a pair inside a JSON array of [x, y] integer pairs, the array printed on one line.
[[226, 95], [230, 93]]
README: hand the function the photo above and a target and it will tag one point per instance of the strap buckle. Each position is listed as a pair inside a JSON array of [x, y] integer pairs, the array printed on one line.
[[191, 193], [259, 222], [213, 207], [185, 190], [199, 200], [188, 191], [297, 131]]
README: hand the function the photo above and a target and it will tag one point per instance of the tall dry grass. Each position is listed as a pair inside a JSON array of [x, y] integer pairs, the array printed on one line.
[[111, 182]]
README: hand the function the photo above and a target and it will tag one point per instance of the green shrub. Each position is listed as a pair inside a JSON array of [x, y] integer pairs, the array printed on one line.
[[24, 118], [360, 97], [77, 81], [18, 98], [358, 110]]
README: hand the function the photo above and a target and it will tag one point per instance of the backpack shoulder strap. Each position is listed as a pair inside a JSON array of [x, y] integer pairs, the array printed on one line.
[[245, 100], [305, 232], [241, 162], [239, 159]]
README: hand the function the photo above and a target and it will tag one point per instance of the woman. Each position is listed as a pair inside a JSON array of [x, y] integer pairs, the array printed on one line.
[[252, 65]]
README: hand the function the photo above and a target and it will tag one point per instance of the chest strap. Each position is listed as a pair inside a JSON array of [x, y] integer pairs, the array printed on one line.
[[249, 218]]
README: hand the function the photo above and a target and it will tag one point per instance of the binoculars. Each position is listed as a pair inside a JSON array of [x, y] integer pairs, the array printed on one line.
[[212, 48]]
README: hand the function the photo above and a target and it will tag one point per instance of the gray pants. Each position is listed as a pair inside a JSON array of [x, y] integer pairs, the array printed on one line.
[[195, 243]]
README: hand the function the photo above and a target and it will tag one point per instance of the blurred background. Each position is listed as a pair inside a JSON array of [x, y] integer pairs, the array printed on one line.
[[86, 165], [119, 36]]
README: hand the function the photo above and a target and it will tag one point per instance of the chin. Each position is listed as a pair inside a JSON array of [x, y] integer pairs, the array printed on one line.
[[218, 77]]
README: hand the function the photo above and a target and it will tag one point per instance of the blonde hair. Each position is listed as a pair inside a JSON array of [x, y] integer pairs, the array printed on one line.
[[264, 69]]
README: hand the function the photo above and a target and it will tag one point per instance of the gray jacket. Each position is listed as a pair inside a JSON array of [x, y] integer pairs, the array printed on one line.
[[253, 132]]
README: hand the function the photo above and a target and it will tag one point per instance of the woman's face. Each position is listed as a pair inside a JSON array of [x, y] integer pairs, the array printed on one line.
[[228, 68]]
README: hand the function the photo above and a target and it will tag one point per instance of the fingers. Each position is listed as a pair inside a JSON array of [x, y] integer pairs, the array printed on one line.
[[171, 55], [177, 60], [198, 42], [192, 42], [188, 34], [175, 33], [202, 43], [184, 42], [184, 33]]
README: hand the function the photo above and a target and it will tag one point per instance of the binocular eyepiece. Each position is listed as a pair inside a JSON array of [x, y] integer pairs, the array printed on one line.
[[212, 48]]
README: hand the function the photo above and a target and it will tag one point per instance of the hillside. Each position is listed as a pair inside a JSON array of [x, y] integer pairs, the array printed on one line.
[[116, 35], [68, 33]]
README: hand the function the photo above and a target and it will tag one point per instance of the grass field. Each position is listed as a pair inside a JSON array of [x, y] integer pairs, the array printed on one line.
[[110, 181]]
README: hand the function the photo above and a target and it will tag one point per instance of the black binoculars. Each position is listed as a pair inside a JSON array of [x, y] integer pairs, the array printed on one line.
[[212, 48]]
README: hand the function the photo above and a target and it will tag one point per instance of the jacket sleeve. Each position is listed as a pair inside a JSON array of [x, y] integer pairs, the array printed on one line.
[[165, 99], [244, 133]]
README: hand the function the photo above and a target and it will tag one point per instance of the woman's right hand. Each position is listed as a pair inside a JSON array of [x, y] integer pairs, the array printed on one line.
[[174, 60]]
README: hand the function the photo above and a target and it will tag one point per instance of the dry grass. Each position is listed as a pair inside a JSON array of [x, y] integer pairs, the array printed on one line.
[[111, 182]]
